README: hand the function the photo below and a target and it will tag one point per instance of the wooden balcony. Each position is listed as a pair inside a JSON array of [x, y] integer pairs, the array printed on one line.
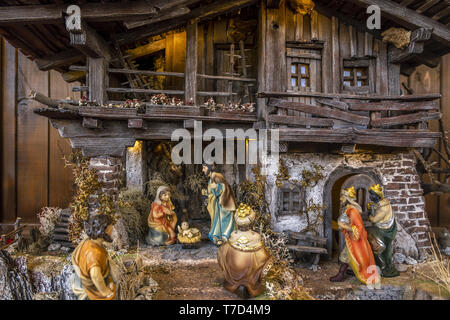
[[395, 121]]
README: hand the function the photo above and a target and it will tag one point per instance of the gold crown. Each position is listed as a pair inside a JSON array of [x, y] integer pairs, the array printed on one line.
[[351, 192], [243, 210], [377, 189]]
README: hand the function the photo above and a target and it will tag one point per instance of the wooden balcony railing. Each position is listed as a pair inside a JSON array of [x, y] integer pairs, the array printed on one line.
[[382, 120]]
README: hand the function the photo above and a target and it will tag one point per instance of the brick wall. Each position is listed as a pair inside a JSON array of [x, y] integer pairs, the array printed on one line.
[[402, 188]]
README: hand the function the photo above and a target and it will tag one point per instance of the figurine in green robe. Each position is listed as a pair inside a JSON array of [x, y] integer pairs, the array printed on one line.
[[382, 234]]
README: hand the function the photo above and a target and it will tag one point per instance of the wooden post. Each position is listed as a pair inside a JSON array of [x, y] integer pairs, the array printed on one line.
[[261, 102], [98, 79], [190, 79]]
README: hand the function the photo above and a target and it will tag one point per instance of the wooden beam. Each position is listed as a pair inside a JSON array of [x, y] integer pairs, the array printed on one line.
[[395, 106], [300, 121], [190, 79], [136, 124], [91, 43], [72, 76], [200, 13], [91, 11], [415, 47], [59, 59], [409, 18], [415, 97], [321, 111], [92, 123], [385, 137], [405, 119], [98, 79], [146, 49], [161, 16]]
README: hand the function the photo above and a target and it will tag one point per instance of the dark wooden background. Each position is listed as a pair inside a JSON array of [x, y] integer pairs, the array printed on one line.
[[32, 169]]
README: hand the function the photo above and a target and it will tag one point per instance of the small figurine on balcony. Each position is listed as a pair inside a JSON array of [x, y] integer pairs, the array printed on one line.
[[95, 275], [243, 259], [221, 205], [162, 219], [382, 234], [357, 251]]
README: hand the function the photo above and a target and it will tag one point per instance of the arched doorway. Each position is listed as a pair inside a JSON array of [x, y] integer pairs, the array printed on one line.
[[361, 179]]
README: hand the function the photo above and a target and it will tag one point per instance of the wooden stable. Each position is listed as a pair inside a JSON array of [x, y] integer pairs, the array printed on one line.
[[320, 77]]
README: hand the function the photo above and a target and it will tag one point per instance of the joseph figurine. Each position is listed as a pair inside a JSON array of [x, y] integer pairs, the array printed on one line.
[[381, 236], [221, 206]]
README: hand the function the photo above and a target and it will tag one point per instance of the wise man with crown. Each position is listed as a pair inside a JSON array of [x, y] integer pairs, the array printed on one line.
[[357, 252], [382, 234]]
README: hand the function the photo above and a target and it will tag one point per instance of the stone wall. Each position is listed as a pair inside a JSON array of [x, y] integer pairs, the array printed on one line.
[[396, 172], [110, 173]]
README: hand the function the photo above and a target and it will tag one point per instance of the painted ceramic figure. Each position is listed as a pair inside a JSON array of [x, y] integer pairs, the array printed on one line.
[[162, 219], [357, 252], [243, 259], [221, 205], [95, 275], [381, 236]]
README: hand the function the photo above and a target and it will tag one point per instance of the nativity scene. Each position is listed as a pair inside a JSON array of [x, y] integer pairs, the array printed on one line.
[[225, 150]]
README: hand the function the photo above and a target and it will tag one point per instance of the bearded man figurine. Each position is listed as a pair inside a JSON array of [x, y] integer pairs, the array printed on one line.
[[357, 252], [382, 234]]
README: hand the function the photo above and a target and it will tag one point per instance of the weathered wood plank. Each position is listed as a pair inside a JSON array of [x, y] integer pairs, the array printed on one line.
[[335, 57], [321, 111], [61, 186], [397, 106], [98, 79], [59, 59], [136, 124], [190, 79], [415, 97], [300, 121], [8, 130], [92, 123], [307, 249], [32, 143], [405, 119], [307, 237], [334, 103], [385, 137]]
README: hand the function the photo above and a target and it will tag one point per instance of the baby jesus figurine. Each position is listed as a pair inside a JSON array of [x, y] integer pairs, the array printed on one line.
[[162, 219], [188, 235]]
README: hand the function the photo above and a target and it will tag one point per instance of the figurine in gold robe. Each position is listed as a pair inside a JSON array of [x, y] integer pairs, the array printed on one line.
[[381, 236], [243, 259], [357, 252], [96, 274]]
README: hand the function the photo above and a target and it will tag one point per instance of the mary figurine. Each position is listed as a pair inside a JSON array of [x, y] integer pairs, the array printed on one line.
[[162, 219], [221, 206]]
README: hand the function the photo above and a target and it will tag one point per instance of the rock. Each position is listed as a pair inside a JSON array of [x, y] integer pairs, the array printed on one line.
[[120, 235], [444, 238], [46, 296], [54, 247], [405, 244], [65, 249], [447, 251], [401, 267], [410, 260], [399, 258], [14, 280]]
